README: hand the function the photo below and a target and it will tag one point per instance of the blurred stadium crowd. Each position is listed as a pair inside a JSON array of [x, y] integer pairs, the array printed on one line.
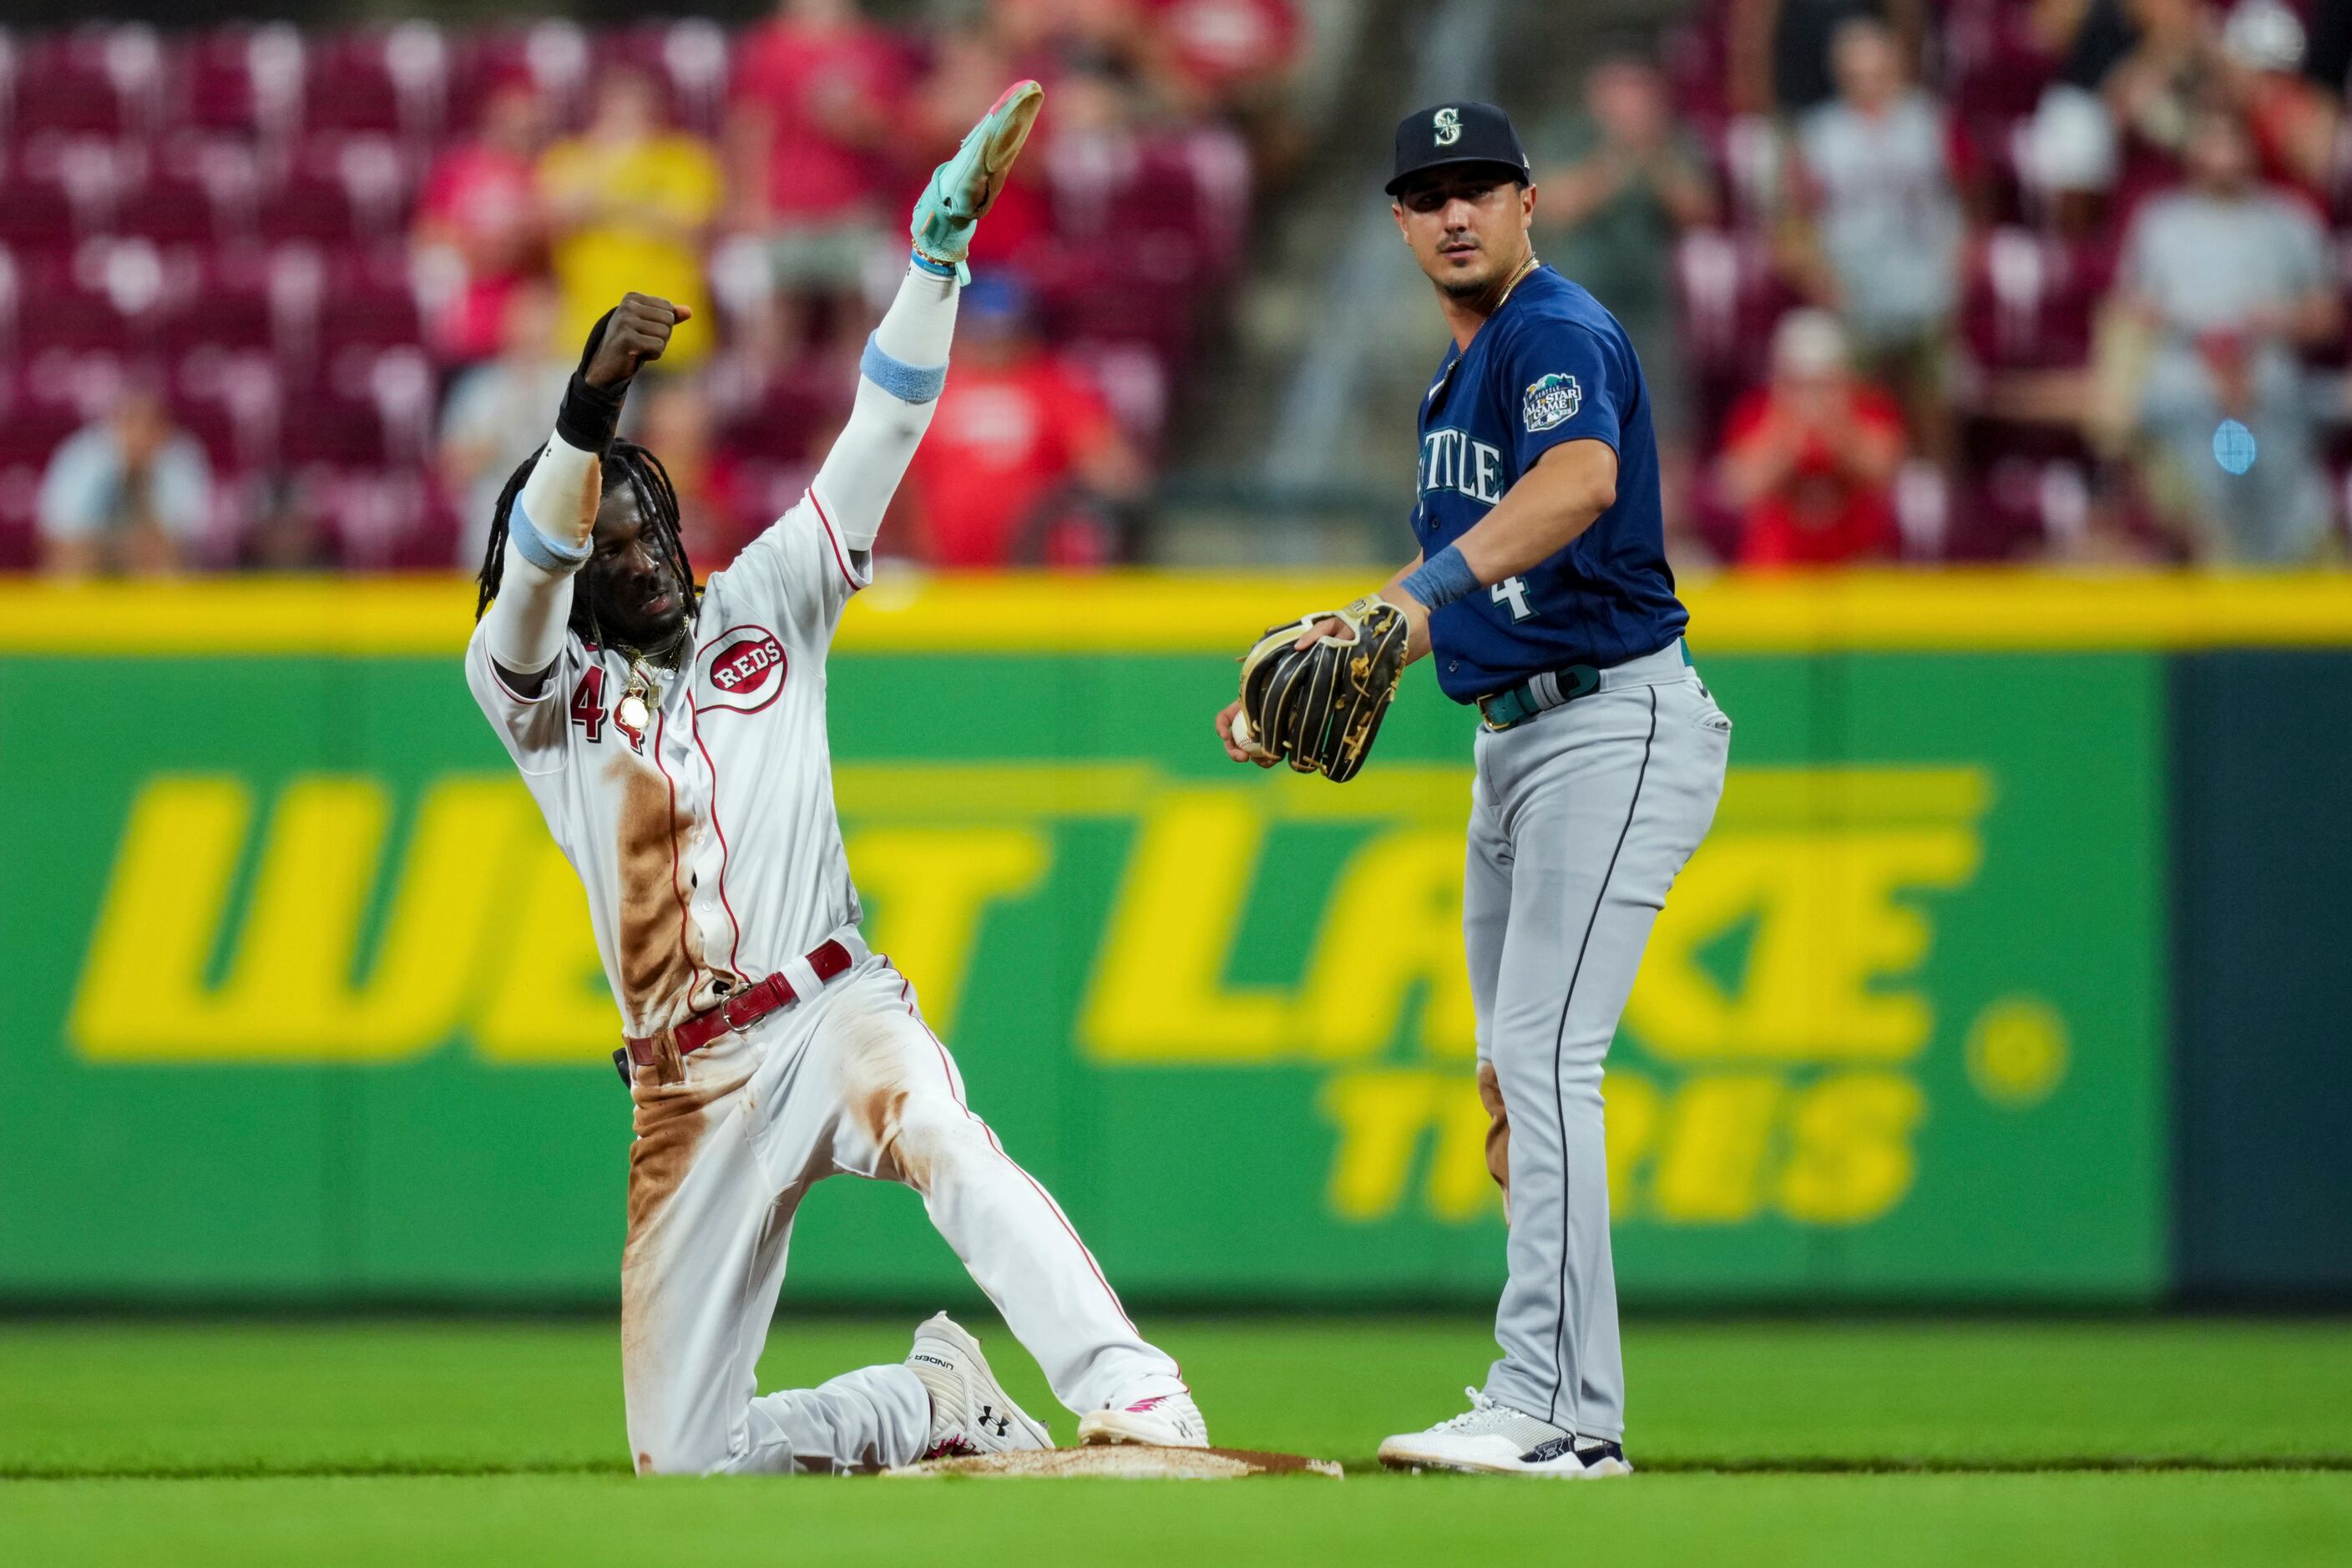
[[1929, 280], [282, 299], [1988, 279]]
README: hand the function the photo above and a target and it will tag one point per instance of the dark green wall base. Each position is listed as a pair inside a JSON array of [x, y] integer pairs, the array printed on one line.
[[2261, 980]]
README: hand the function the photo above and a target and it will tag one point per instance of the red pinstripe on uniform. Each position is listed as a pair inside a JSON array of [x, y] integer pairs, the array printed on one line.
[[948, 1068], [832, 537]]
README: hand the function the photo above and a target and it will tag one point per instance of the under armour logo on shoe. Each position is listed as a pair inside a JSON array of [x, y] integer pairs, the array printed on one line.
[[1003, 1424]]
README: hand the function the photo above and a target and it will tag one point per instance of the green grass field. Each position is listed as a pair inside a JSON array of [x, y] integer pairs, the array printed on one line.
[[1837, 1443]]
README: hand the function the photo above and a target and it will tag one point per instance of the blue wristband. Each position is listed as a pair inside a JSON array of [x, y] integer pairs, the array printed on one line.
[[1442, 579], [537, 549], [941, 268], [907, 383]]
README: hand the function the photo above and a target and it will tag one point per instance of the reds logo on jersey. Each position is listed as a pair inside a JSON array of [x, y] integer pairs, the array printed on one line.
[[744, 670]]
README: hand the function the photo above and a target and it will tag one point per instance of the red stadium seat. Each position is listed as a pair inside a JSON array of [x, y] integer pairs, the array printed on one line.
[[102, 79], [315, 207], [36, 215], [366, 313], [327, 427], [246, 80], [688, 60], [393, 81], [339, 189], [235, 400], [1731, 296], [76, 318], [78, 98], [556, 55], [170, 208], [31, 428], [372, 512], [778, 418], [225, 312]]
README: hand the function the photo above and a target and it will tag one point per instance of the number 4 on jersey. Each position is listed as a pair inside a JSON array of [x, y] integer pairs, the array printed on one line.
[[588, 702], [1513, 592]]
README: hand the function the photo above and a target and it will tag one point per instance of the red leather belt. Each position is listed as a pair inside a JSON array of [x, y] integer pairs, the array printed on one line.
[[741, 1011]]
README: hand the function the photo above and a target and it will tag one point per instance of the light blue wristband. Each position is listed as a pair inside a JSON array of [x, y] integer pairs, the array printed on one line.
[[907, 383], [959, 271], [540, 550], [1442, 579]]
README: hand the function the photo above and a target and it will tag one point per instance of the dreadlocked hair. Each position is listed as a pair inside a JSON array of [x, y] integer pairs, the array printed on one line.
[[625, 462]]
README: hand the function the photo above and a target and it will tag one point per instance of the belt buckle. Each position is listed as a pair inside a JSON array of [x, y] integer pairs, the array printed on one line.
[[1487, 704], [727, 1013]]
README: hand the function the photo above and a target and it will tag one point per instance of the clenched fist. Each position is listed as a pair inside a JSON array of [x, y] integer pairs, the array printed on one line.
[[636, 331]]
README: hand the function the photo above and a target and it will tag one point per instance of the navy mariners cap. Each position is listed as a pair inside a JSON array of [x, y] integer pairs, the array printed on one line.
[[1449, 133]]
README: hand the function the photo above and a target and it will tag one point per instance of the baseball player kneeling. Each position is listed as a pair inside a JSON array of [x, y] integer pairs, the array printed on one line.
[[675, 739]]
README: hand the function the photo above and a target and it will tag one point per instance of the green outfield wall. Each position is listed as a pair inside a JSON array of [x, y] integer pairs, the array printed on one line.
[[303, 1004]]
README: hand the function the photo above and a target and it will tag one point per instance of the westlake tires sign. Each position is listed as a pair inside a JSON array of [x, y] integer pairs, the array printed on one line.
[[307, 1005]]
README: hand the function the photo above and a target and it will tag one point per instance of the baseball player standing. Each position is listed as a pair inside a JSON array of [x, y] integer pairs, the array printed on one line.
[[675, 741], [1542, 592]]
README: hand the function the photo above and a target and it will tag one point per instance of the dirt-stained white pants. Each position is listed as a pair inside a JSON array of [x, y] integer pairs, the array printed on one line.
[[850, 1080]]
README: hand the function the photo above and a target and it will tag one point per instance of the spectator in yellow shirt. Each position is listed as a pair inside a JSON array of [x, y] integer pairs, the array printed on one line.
[[630, 200]]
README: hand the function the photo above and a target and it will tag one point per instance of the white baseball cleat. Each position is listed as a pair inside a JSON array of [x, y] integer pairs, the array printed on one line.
[[1164, 1421], [1495, 1439], [970, 1412]]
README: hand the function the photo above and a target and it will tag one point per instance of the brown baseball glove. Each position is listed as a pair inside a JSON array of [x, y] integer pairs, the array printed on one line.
[[1318, 708]]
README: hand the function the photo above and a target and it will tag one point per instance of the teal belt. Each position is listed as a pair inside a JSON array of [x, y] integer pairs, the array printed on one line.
[[1517, 704]]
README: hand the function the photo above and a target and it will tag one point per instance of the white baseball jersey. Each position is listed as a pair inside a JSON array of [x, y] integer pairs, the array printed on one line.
[[708, 842]]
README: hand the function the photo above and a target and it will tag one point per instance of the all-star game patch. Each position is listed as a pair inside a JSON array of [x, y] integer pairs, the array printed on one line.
[[1552, 402]]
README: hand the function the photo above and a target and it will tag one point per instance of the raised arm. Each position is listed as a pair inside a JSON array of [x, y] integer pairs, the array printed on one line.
[[906, 362], [898, 385], [550, 523]]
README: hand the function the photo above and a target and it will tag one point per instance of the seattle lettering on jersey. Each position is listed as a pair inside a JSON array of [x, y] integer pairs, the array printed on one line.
[[1451, 460]]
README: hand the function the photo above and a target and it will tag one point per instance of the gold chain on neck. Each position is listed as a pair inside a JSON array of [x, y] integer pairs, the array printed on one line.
[[1529, 265]]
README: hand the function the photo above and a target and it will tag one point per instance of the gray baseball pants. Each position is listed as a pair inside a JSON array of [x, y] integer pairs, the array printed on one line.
[[1580, 820]]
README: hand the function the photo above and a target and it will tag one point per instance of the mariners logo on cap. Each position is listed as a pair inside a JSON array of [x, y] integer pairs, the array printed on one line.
[[1449, 125], [1552, 402]]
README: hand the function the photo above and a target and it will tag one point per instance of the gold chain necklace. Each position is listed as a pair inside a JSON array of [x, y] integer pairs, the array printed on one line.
[[1529, 265]]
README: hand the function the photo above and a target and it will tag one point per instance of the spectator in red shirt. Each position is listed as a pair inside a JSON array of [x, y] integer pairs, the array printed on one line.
[[1810, 457], [817, 95], [1024, 458], [479, 222]]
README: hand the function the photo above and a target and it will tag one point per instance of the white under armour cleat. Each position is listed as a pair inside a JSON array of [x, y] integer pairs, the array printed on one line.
[[1163, 1421], [970, 1412], [1495, 1439]]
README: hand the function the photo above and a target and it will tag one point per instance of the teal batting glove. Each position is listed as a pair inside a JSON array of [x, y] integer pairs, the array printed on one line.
[[963, 188]]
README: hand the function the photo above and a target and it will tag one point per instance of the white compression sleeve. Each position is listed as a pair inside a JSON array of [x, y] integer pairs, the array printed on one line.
[[861, 472], [524, 627], [549, 531]]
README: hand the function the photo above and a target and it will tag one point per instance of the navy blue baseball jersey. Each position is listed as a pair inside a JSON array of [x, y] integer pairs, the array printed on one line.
[[1551, 365]]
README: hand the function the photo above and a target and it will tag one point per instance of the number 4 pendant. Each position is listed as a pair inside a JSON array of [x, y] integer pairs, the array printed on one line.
[[631, 714]]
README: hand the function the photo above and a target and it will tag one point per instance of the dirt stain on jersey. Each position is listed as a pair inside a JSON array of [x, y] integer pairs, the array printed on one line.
[[661, 955]]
